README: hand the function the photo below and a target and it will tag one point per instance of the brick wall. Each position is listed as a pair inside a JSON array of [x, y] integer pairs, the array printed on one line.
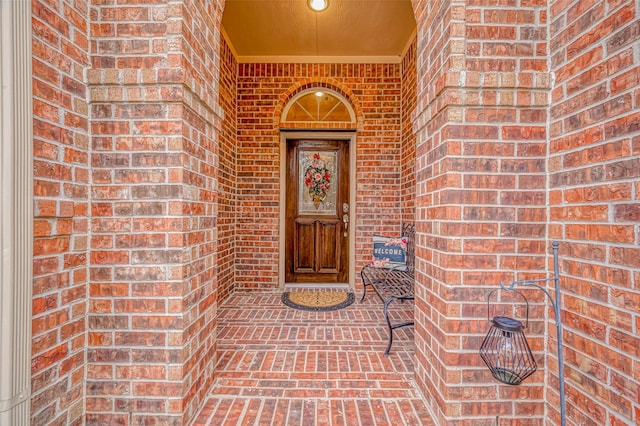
[[408, 141], [376, 91], [61, 176], [227, 173], [137, 272], [594, 188], [202, 124], [152, 311], [136, 186], [480, 204]]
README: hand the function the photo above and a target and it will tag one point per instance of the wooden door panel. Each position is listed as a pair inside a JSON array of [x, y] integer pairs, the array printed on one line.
[[329, 250], [316, 248], [304, 253]]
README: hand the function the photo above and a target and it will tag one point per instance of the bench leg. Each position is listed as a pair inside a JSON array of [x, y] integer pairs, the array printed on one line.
[[393, 327], [386, 316], [364, 293]]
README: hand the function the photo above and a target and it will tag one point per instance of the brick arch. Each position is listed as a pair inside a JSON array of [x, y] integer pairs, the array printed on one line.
[[326, 83]]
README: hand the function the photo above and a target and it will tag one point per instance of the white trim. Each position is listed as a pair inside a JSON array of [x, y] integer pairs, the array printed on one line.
[[16, 215], [408, 45], [322, 135], [319, 59], [293, 100], [227, 39]]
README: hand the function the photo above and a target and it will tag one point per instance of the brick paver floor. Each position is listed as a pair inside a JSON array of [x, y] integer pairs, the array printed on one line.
[[282, 366]]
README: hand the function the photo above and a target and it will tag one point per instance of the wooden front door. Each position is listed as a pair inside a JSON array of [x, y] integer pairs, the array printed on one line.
[[317, 212]]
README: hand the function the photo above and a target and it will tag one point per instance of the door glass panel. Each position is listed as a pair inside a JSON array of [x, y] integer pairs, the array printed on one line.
[[298, 113], [317, 185]]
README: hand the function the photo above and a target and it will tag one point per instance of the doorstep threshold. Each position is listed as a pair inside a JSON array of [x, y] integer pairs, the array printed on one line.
[[307, 286]]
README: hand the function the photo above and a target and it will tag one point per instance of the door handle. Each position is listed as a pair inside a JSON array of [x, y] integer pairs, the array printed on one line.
[[345, 220]]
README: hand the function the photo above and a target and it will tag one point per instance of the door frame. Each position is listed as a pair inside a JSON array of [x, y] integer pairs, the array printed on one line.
[[321, 135]]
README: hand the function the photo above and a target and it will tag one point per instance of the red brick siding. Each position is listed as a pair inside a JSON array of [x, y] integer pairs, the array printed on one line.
[[61, 177], [201, 130], [138, 232], [408, 146], [480, 204], [147, 225], [594, 165], [377, 92], [227, 174], [153, 245]]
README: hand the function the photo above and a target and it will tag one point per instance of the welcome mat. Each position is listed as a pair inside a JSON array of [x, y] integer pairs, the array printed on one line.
[[308, 300]]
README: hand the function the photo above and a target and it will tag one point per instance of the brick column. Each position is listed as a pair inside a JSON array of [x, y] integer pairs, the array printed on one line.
[[483, 91], [152, 311]]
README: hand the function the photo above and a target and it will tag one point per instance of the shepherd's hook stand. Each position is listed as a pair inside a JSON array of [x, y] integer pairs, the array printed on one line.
[[556, 310]]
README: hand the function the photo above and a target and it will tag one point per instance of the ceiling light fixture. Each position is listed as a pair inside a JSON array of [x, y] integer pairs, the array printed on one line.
[[318, 5], [319, 94]]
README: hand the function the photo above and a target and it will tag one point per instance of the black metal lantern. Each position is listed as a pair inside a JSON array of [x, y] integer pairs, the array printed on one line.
[[506, 351]]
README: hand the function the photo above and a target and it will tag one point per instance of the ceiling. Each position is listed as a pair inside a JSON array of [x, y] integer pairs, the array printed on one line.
[[348, 31]]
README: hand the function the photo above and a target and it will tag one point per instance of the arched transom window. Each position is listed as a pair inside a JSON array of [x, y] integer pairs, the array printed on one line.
[[318, 105]]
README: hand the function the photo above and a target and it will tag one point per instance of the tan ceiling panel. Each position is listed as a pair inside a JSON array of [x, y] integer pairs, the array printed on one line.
[[347, 28]]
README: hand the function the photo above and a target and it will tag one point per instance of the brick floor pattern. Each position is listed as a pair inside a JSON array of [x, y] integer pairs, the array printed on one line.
[[283, 366]]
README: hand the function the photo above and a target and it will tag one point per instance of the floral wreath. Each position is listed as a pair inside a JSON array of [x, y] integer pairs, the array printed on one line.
[[317, 177]]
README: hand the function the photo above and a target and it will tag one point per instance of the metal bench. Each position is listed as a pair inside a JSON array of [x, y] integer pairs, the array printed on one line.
[[392, 284]]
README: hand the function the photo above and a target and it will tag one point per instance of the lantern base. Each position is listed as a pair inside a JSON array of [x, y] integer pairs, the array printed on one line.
[[506, 376]]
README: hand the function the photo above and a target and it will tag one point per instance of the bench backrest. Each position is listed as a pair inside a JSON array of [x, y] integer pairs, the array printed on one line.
[[409, 230]]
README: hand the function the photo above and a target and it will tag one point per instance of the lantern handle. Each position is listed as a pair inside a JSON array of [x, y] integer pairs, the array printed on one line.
[[502, 287]]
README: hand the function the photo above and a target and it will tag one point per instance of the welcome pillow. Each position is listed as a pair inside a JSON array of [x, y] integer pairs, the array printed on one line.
[[389, 252]]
